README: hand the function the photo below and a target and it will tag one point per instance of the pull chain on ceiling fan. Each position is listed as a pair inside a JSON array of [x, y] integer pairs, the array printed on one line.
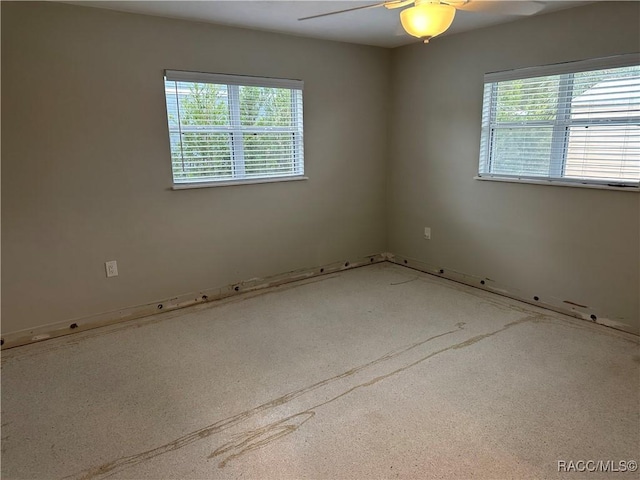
[[429, 18]]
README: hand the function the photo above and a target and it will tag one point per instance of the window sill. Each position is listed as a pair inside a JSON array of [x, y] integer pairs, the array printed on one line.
[[557, 183], [228, 183]]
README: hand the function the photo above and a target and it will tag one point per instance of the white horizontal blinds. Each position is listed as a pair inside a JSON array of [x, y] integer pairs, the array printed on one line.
[[582, 126], [224, 79], [271, 131], [604, 128], [222, 132], [199, 131], [590, 64]]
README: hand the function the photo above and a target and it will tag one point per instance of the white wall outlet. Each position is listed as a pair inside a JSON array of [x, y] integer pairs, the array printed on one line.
[[427, 233], [111, 268]]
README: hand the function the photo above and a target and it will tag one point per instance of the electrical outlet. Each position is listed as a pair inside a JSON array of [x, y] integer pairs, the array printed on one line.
[[427, 233], [111, 268]]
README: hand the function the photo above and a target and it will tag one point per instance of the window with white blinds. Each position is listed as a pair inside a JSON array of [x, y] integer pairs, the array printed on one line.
[[575, 122], [226, 128]]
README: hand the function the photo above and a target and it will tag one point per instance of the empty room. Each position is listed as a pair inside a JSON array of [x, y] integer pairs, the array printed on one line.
[[320, 239]]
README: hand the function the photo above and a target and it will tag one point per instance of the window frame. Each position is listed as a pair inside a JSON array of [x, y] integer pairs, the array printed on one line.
[[236, 130], [560, 125]]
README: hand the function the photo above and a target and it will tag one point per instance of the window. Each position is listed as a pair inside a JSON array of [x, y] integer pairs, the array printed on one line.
[[576, 122], [226, 128]]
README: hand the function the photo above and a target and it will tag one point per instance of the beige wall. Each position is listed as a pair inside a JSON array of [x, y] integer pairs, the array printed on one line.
[[86, 172], [561, 243]]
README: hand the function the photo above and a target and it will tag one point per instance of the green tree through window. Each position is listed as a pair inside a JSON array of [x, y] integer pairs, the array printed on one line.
[[231, 131]]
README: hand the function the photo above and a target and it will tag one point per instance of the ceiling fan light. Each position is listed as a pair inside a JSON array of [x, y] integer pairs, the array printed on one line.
[[427, 20]]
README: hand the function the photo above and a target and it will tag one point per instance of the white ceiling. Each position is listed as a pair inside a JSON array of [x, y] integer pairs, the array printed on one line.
[[374, 26]]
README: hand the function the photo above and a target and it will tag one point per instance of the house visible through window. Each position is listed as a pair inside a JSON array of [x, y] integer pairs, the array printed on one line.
[[232, 128], [575, 122]]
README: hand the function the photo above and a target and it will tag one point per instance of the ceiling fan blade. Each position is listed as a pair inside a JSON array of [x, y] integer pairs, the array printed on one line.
[[362, 7], [501, 7], [397, 4]]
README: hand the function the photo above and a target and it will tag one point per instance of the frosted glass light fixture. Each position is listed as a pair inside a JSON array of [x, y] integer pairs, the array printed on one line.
[[427, 19]]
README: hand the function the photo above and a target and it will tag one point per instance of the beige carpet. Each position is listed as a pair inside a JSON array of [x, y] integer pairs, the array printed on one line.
[[376, 372]]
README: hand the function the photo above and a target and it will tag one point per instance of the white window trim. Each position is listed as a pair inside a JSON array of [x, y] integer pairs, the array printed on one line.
[[228, 183], [233, 83], [556, 183], [225, 79], [541, 71], [614, 61]]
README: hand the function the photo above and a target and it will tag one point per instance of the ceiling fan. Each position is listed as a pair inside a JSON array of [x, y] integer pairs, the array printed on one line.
[[429, 18]]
